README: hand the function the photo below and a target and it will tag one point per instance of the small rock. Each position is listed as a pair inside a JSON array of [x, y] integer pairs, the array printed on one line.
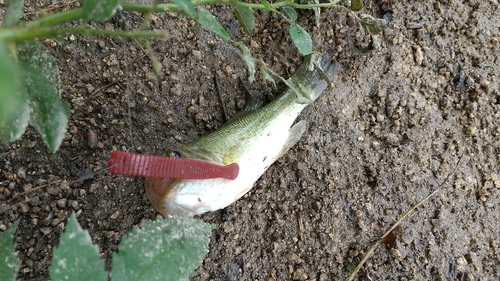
[[419, 56], [53, 190], [111, 60], [92, 140], [292, 257], [89, 88], [62, 202], [46, 230], [115, 215], [228, 227], [64, 186], [55, 222], [67, 49], [75, 205], [176, 90], [397, 254], [471, 130], [24, 208], [60, 227], [21, 173], [254, 45], [27, 187], [461, 263], [196, 53]]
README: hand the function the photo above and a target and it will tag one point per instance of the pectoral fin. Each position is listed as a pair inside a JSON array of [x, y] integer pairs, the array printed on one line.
[[295, 133]]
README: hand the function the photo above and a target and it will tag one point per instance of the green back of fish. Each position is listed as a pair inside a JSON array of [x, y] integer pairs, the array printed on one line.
[[305, 86]]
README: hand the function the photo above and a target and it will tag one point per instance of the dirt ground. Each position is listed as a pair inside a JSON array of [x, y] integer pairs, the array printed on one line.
[[396, 123]]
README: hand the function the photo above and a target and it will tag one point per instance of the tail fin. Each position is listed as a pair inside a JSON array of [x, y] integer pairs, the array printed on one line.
[[313, 76]]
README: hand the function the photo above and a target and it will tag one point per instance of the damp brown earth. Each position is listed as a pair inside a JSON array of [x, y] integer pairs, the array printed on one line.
[[420, 108]]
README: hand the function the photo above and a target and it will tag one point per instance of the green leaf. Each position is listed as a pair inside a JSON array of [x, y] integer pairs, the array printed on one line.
[[247, 57], [165, 249], [206, 19], [14, 103], [301, 39], [356, 5], [49, 115], [13, 12], [266, 75], [245, 17], [76, 258], [292, 14], [9, 262], [186, 6], [267, 6], [373, 26], [99, 10]]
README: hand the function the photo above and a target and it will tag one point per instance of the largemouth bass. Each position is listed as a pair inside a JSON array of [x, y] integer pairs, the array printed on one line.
[[254, 140]]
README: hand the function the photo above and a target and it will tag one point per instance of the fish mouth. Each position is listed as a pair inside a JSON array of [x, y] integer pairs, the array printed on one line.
[[158, 190], [155, 191]]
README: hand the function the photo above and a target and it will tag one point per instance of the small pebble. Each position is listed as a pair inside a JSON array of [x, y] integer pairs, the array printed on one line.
[[62, 202], [60, 227], [461, 263], [292, 257], [471, 130], [92, 140], [55, 222], [24, 208], [67, 49], [89, 88], [64, 185], [115, 215], [75, 205], [46, 230], [21, 173], [53, 190], [196, 53]]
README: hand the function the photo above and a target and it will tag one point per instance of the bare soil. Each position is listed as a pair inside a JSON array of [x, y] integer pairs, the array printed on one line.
[[396, 123]]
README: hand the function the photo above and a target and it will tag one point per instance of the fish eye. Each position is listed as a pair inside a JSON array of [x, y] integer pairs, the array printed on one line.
[[175, 154]]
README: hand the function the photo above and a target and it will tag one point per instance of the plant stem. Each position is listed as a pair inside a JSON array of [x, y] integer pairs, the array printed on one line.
[[16, 35], [144, 8], [56, 19], [280, 4]]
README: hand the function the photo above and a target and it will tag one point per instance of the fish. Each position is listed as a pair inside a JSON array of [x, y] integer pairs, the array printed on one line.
[[245, 146]]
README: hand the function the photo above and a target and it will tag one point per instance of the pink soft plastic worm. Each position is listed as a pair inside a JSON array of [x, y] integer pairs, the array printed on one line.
[[141, 165]]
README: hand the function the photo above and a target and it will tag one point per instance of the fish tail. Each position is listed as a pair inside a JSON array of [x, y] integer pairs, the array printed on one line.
[[313, 76]]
